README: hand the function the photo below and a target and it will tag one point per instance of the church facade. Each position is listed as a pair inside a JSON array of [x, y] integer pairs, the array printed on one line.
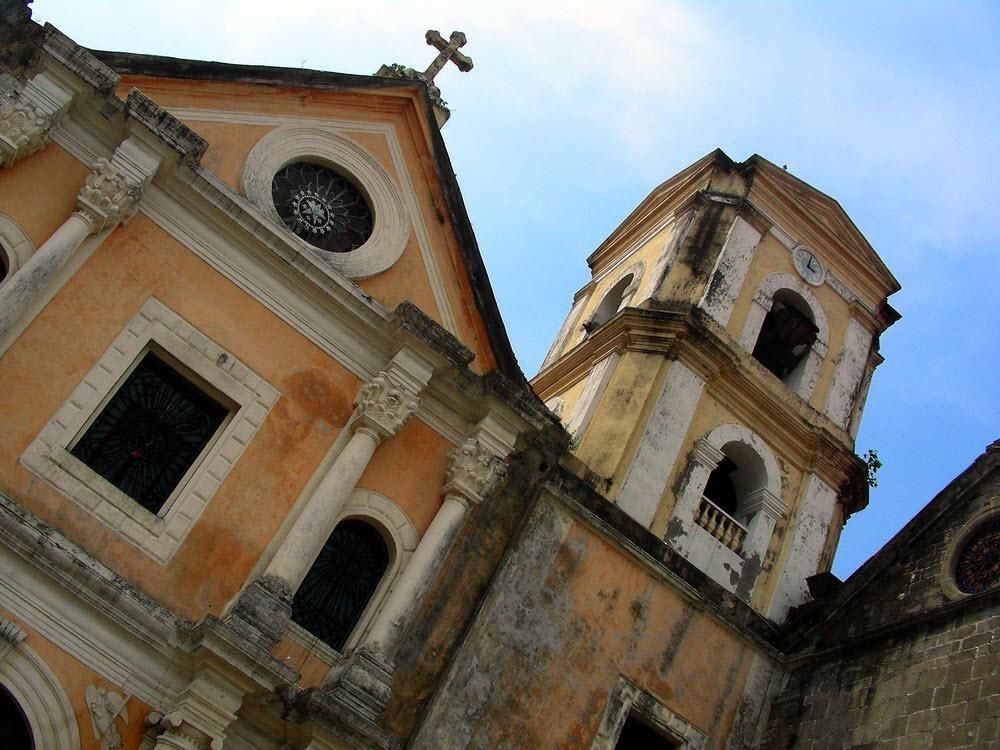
[[271, 477]]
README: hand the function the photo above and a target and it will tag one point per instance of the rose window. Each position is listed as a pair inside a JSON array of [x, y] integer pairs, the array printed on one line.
[[978, 565], [322, 207]]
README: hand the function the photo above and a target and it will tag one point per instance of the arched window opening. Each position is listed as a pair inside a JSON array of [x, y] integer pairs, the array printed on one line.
[[610, 304], [4, 265], [720, 488], [15, 732], [341, 582], [726, 508], [788, 332]]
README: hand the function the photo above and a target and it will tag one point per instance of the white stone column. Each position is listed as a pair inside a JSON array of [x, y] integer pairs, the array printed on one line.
[[763, 508], [472, 473], [568, 326], [705, 457], [27, 117], [109, 196], [381, 408]]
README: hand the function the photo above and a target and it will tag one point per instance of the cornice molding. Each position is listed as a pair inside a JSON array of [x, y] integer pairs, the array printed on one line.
[[799, 432]]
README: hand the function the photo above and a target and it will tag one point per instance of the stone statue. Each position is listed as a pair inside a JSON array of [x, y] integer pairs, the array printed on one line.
[[105, 707]]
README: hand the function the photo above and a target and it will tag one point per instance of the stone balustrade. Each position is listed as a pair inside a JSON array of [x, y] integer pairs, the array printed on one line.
[[721, 525]]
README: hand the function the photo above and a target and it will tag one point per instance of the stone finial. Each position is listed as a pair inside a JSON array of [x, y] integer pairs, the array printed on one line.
[[24, 129], [472, 472], [107, 197], [383, 406]]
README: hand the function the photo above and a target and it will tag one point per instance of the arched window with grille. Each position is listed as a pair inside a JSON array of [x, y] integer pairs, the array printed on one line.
[[336, 590]]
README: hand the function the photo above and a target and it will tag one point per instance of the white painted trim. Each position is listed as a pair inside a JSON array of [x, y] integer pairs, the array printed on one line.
[[15, 245], [590, 397], [159, 535], [140, 664], [849, 372], [322, 306], [399, 164], [42, 698]]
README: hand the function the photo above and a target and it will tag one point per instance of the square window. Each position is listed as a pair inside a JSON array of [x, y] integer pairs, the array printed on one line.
[[151, 431]]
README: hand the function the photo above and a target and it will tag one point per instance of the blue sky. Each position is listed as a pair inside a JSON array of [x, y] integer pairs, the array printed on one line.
[[574, 113]]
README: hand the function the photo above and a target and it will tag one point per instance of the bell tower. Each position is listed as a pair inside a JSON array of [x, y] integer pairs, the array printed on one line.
[[714, 369]]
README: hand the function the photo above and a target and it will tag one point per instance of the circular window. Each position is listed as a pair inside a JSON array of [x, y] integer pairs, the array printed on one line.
[[332, 194], [322, 207], [977, 565]]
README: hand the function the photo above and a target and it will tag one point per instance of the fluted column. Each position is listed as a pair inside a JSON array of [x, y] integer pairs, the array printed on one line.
[[27, 117], [381, 409], [472, 473], [109, 197]]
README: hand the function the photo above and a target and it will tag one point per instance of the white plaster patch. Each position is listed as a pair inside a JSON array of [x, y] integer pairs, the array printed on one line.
[[847, 377], [811, 528], [678, 232], [647, 477], [731, 268]]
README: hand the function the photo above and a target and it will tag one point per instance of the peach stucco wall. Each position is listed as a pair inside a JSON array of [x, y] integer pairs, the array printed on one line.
[[139, 261], [229, 143]]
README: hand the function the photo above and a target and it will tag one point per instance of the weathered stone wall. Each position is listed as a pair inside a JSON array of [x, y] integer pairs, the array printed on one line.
[[936, 687], [899, 658]]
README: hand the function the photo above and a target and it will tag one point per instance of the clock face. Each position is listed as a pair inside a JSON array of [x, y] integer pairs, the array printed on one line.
[[322, 207], [808, 265], [977, 567]]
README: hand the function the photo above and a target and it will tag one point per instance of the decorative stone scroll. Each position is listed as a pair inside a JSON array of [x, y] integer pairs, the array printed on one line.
[[384, 407], [108, 197], [24, 129], [472, 472]]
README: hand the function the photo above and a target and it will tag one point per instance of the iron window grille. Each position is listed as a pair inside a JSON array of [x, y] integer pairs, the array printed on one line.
[[341, 582], [150, 432]]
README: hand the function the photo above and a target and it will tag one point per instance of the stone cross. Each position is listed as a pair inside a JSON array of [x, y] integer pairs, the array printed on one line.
[[448, 51]]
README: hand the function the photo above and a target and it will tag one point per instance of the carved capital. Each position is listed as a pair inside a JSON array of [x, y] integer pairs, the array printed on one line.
[[472, 471], [764, 500], [383, 407], [107, 197], [24, 129], [171, 732]]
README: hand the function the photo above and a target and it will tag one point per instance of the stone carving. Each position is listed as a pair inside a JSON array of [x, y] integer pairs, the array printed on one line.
[[107, 197], [105, 706], [23, 129], [383, 406], [171, 731], [10, 637], [447, 50], [472, 471]]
